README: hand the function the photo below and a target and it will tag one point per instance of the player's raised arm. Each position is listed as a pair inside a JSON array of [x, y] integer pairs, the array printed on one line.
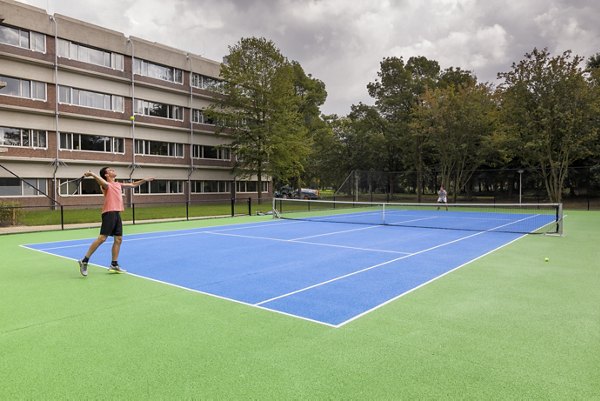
[[137, 183], [101, 181]]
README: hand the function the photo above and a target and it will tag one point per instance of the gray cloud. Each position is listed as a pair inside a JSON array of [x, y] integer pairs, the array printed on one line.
[[342, 42]]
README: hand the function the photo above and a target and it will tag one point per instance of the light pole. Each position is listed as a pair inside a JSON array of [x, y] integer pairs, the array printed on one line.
[[520, 171]]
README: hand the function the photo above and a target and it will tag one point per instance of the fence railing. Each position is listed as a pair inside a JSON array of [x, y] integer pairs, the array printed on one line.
[[13, 214]]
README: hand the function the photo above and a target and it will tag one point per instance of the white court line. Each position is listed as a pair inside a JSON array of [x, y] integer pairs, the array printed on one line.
[[357, 229], [308, 243], [223, 233], [188, 289], [375, 266], [141, 237], [336, 232], [423, 284], [366, 269]]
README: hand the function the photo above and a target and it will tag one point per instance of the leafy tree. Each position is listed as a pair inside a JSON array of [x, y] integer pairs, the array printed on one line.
[[397, 93], [459, 123], [594, 61], [457, 78], [548, 106], [593, 69], [311, 94], [365, 139], [261, 110], [328, 163]]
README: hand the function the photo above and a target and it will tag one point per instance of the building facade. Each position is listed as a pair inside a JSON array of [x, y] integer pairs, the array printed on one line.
[[78, 97]]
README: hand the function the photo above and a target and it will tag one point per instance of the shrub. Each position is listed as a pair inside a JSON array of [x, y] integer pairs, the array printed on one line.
[[10, 213]]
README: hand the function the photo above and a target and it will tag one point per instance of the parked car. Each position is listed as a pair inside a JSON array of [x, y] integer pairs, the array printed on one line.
[[288, 192], [307, 193]]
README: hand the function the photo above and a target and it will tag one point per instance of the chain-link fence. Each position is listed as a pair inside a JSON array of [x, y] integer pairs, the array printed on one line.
[[582, 187]]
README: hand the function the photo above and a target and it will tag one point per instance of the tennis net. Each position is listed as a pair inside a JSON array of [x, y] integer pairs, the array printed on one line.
[[527, 218]]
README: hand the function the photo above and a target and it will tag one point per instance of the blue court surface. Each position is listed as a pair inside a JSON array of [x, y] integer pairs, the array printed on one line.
[[329, 273]]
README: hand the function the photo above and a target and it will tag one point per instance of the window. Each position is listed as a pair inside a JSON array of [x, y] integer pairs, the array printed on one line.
[[73, 186], [207, 83], [158, 110], [16, 187], [93, 143], [96, 100], [211, 152], [152, 70], [86, 54], [21, 38], [160, 187], [33, 186], [198, 116], [156, 148], [10, 187], [251, 186], [25, 138], [210, 186], [23, 88]]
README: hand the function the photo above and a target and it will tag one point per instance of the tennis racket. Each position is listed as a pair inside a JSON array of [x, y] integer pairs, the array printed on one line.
[[75, 182]]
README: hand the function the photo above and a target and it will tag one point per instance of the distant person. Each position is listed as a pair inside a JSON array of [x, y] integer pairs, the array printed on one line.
[[442, 197], [112, 225]]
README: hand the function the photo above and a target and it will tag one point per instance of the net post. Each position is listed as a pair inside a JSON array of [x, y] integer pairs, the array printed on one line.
[[273, 206], [133, 212], [187, 210], [559, 219], [232, 207], [62, 217], [249, 206]]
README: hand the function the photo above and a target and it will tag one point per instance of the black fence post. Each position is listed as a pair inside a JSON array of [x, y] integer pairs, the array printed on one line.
[[187, 210], [62, 218], [232, 207], [133, 212], [249, 206]]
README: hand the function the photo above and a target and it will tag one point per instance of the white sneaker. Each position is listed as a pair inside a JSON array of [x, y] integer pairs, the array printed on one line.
[[82, 267], [116, 269]]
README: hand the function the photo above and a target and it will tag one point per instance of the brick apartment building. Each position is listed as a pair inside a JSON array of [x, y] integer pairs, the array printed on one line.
[[70, 91]]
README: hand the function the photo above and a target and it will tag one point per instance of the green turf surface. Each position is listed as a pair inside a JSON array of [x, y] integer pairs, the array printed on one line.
[[507, 326]]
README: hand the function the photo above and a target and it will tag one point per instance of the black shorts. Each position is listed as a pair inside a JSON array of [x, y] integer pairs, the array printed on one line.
[[111, 224]]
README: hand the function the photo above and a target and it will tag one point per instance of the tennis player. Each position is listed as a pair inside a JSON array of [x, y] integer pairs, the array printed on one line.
[[442, 197], [112, 224]]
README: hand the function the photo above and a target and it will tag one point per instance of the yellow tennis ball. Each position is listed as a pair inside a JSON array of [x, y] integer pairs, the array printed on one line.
[[546, 259], [132, 118]]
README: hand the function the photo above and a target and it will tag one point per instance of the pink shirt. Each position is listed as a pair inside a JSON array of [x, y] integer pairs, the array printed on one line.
[[113, 198]]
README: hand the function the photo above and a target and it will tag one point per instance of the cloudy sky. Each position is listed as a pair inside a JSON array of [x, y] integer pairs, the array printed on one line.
[[342, 42]]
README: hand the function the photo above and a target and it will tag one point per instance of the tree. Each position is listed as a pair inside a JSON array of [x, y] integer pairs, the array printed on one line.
[[593, 70], [311, 94], [261, 110], [365, 139], [548, 106], [594, 61], [458, 122], [397, 93], [327, 163]]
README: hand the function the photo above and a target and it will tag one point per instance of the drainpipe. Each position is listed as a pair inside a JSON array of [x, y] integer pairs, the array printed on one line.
[[56, 112], [189, 194], [133, 164]]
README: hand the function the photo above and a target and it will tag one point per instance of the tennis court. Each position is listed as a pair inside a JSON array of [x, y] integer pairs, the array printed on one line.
[[325, 268], [506, 325]]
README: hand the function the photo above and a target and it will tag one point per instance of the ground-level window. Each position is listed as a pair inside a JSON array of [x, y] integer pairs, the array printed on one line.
[[25, 187]]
